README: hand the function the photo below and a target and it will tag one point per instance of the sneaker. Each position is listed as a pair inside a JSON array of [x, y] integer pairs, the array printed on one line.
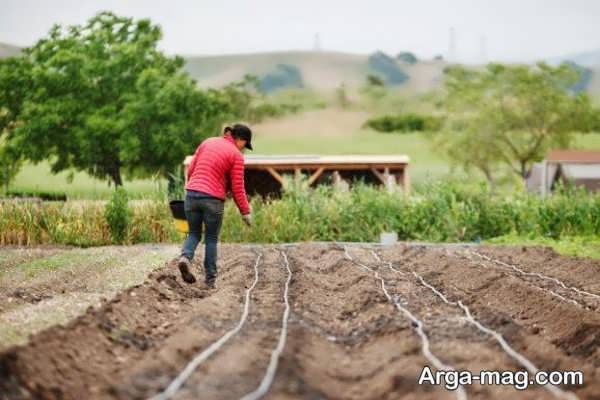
[[184, 267], [210, 284]]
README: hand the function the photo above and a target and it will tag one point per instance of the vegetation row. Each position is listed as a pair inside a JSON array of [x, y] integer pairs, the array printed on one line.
[[437, 212]]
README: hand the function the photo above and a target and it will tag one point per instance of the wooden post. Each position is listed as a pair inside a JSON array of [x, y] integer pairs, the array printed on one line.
[[315, 175], [336, 178], [389, 180], [339, 183], [405, 180], [379, 175], [275, 175]]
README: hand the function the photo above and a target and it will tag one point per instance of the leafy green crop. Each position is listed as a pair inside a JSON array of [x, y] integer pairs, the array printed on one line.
[[438, 212], [118, 215]]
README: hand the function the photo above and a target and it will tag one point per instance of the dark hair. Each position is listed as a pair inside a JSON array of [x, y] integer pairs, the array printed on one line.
[[240, 131]]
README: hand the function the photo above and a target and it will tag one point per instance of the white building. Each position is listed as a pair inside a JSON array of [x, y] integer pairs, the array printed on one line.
[[580, 167]]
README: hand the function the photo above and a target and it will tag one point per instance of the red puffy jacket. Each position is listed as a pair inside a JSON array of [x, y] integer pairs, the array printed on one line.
[[217, 166]]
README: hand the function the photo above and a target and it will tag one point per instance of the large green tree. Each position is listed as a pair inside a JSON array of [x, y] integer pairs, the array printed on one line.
[[102, 98], [507, 117], [14, 84]]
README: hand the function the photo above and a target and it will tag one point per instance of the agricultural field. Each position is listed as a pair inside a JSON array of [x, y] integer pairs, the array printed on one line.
[[303, 321], [483, 277], [327, 131]]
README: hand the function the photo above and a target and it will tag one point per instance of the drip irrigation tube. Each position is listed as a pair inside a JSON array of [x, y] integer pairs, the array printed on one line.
[[265, 384], [176, 384]]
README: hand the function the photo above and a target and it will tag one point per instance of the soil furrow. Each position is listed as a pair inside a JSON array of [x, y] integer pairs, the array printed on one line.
[[536, 323], [239, 366], [381, 364], [93, 354], [359, 328]]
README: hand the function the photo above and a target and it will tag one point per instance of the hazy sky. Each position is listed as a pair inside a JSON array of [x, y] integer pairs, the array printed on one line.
[[522, 30]]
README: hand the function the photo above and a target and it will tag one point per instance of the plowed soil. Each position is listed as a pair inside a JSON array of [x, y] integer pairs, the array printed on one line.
[[363, 322]]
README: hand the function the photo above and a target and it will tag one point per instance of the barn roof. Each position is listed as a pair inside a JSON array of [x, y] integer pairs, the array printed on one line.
[[575, 156], [315, 160]]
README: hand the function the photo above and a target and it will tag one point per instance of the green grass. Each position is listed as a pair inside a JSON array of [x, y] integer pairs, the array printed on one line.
[[425, 162], [580, 246], [38, 178], [68, 259], [589, 141]]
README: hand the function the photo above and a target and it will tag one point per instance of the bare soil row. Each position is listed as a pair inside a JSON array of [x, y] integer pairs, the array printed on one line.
[[345, 340]]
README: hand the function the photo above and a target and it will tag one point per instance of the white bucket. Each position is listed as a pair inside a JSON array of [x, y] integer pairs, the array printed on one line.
[[388, 238]]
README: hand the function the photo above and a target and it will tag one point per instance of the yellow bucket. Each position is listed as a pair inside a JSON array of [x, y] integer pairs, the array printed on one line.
[[178, 212]]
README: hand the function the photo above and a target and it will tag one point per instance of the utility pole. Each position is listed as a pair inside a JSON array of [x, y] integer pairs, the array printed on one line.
[[483, 49], [452, 45], [317, 42]]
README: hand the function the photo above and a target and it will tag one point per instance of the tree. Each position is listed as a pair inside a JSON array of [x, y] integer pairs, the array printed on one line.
[[374, 89], [511, 115], [10, 164], [163, 120], [14, 83], [283, 76], [375, 80], [242, 95], [407, 57], [103, 99], [385, 66], [342, 96]]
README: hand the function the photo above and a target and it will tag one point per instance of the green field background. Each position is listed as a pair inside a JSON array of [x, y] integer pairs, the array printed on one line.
[[425, 162]]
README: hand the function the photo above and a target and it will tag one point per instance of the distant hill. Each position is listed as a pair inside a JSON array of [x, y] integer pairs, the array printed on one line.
[[328, 69], [318, 69], [311, 69], [594, 86], [588, 59], [7, 50]]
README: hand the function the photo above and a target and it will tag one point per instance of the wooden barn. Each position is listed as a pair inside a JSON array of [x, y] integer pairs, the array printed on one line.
[[264, 175], [579, 167]]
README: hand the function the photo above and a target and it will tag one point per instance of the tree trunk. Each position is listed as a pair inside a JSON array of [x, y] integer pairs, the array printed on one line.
[[524, 171], [171, 185], [488, 176], [6, 179], [115, 174]]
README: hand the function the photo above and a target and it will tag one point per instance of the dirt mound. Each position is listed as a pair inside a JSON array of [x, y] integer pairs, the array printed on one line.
[[362, 323]]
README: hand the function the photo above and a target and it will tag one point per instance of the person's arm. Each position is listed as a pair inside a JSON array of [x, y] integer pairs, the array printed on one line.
[[237, 185], [193, 163]]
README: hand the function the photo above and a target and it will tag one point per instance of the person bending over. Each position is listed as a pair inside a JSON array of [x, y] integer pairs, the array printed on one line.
[[217, 165]]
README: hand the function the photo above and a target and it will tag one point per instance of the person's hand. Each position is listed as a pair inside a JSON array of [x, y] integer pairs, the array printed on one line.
[[247, 219]]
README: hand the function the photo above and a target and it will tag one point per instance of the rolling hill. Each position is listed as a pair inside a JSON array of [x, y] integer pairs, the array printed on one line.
[[588, 59], [319, 69], [7, 50], [327, 70]]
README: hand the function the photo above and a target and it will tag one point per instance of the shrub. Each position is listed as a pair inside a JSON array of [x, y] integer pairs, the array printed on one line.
[[585, 77], [46, 196], [117, 215], [404, 123], [386, 67], [283, 76], [407, 57]]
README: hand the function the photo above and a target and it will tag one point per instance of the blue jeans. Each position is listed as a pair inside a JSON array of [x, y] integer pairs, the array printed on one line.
[[203, 209]]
